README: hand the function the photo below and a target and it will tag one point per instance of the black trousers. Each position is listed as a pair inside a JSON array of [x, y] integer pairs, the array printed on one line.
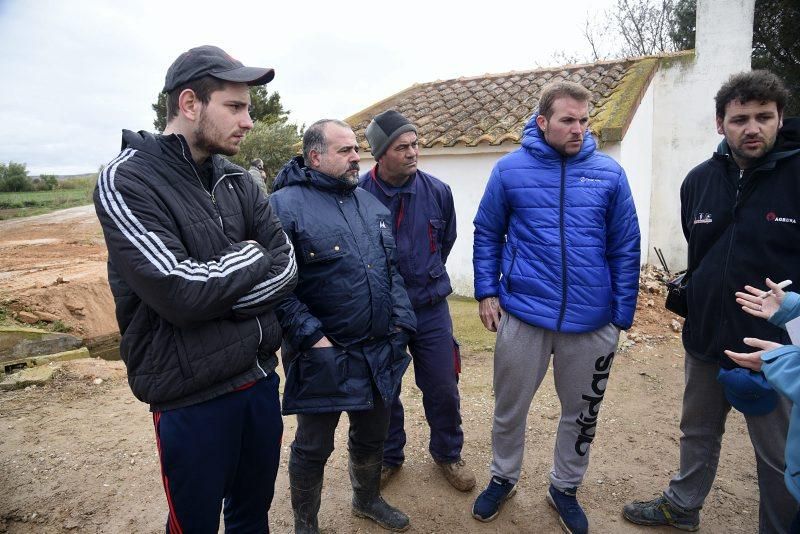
[[313, 441]]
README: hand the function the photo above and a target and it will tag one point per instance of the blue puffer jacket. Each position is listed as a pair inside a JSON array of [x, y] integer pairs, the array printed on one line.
[[348, 290], [557, 239]]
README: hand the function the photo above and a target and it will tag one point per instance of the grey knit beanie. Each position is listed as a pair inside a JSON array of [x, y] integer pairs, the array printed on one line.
[[385, 128]]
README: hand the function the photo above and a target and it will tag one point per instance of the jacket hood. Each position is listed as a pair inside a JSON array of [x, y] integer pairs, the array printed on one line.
[[295, 172], [788, 136], [141, 140], [533, 140]]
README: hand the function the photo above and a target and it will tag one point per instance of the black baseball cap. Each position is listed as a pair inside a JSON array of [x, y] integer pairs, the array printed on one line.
[[213, 61]]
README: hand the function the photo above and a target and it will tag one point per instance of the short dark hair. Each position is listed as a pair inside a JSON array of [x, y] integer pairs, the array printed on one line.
[[314, 137], [202, 87], [759, 85], [553, 91]]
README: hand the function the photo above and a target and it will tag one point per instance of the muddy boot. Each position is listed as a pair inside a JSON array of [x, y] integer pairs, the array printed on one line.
[[306, 489], [365, 475]]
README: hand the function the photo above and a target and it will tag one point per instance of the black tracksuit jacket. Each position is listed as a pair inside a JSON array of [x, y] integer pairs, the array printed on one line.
[[742, 226], [195, 273]]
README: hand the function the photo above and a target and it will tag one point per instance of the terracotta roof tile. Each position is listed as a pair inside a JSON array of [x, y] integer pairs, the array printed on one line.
[[493, 108]]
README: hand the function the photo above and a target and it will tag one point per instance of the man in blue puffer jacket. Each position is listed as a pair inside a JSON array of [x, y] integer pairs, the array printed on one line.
[[345, 327], [557, 241]]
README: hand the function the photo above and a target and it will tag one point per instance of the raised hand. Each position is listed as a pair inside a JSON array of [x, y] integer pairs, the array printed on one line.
[[760, 303]]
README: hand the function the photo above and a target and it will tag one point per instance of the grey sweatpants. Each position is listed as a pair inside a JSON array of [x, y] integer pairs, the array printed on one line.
[[581, 365], [705, 410]]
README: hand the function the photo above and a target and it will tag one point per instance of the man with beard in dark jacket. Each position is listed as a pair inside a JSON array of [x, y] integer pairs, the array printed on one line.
[[346, 325], [741, 217], [197, 262]]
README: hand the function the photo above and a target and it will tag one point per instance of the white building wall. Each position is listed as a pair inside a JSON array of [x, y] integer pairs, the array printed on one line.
[[684, 130], [635, 153]]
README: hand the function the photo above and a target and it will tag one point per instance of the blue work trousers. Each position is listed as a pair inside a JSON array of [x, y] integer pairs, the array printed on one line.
[[437, 363], [223, 450]]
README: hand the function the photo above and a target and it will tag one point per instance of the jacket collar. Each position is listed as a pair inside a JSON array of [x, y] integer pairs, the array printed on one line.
[[409, 187]]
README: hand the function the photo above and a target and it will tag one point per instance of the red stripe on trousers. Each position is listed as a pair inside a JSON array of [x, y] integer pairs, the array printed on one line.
[[174, 525]]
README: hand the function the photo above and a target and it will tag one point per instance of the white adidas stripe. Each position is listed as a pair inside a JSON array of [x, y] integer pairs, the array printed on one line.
[[151, 246], [264, 290]]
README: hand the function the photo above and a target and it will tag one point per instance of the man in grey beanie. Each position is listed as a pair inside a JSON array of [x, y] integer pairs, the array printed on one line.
[[424, 226]]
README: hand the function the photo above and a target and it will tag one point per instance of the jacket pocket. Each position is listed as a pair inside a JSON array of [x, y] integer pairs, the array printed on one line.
[[183, 358], [435, 231], [511, 268], [323, 249], [320, 372]]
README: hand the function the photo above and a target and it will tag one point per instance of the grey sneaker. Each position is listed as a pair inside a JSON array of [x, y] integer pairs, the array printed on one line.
[[660, 512]]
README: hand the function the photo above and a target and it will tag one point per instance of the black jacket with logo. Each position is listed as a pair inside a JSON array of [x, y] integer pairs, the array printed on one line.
[[195, 274], [742, 226]]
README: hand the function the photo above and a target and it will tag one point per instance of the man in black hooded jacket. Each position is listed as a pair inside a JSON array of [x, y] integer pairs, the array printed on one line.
[[197, 262], [740, 212]]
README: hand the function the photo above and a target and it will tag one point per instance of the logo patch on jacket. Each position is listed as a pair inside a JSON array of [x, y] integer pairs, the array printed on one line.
[[703, 218], [382, 224], [773, 217], [585, 179]]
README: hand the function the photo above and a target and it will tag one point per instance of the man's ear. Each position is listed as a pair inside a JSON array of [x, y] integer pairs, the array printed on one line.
[[189, 105], [780, 121], [720, 129], [314, 159], [541, 122]]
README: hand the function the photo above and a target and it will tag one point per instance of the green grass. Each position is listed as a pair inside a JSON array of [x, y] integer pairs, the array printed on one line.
[[36, 202], [467, 326]]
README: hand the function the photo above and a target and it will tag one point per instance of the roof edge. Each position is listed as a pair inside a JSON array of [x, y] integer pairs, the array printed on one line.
[[617, 113]]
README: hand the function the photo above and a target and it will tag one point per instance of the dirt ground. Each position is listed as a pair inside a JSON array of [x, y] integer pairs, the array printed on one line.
[[79, 453]]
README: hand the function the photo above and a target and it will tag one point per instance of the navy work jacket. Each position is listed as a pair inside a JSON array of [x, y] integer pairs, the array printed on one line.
[[424, 226], [348, 290]]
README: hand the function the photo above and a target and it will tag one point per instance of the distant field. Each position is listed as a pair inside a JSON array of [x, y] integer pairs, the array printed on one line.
[[29, 203]]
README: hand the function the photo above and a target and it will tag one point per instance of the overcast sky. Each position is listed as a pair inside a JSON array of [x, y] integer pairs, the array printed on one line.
[[75, 73]]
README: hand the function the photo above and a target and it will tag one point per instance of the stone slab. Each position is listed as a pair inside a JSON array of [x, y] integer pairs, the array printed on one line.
[[17, 343], [10, 366]]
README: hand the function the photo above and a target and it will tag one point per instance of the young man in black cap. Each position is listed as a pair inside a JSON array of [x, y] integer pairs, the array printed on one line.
[[424, 226], [196, 262]]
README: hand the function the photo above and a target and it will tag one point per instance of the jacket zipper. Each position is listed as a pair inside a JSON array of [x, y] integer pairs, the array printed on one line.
[[203, 187], [219, 218], [739, 184], [563, 246]]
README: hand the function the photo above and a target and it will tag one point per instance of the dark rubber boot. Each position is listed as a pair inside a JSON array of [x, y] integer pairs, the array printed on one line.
[[365, 475], [306, 489]]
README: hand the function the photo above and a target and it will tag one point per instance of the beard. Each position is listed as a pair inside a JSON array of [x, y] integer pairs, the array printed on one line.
[[206, 137], [350, 177]]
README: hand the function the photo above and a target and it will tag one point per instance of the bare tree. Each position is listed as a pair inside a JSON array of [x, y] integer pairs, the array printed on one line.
[[632, 28]]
